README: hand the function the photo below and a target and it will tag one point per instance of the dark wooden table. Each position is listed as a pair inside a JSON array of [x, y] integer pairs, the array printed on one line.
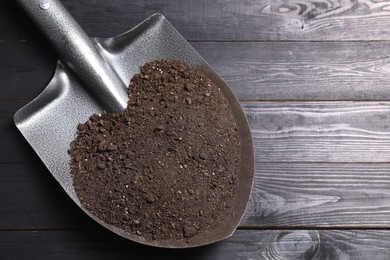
[[314, 81]]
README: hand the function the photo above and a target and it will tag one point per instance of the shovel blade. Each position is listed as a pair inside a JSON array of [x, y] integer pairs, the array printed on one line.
[[50, 121]]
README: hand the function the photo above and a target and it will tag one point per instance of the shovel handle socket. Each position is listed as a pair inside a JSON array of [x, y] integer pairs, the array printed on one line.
[[78, 52]]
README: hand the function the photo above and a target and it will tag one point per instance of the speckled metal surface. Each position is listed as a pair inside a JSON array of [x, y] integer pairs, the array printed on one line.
[[77, 52], [49, 122]]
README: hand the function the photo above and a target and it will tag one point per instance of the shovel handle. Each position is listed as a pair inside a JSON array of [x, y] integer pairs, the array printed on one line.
[[78, 52]]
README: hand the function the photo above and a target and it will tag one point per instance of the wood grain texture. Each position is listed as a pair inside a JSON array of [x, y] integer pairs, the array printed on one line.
[[302, 71], [25, 68], [31, 198], [224, 20], [254, 71], [13, 146], [281, 131], [319, 195], [322, 179], [284, 195], [266, 245], [320, 131], [312, 244]]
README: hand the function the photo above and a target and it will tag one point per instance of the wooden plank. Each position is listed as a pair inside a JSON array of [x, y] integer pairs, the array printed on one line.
[[254, 71], [320, 131], [31, 198], [319, 195], [25, 68], [274, 244], [224, 20], [284, 195], [13, 146], [281, 131], [14, 23], [302, 71]]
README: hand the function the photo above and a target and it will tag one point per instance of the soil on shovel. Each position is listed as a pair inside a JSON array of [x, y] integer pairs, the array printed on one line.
[[166, 167]]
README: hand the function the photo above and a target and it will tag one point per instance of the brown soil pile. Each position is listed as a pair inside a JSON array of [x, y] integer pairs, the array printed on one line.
[[166, 167]]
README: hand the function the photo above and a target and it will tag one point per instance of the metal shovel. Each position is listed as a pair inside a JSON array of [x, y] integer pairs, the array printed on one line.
[[92, 76]]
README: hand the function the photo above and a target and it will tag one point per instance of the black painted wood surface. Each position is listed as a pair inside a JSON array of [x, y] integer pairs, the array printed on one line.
[[254, 70], [244, 244], [226, 20], [313, 79]]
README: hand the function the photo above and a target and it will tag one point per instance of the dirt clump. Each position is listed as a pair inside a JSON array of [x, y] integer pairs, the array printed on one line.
[[166, 167]]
